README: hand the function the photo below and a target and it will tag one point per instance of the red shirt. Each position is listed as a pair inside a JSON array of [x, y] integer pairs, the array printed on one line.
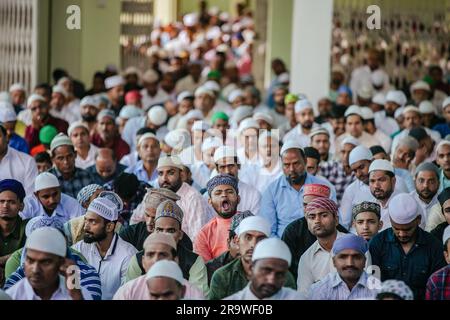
[[32, 134], [119, 146]]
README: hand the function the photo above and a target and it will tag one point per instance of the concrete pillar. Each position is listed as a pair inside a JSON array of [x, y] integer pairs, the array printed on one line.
[[311, 45], [165, 11]]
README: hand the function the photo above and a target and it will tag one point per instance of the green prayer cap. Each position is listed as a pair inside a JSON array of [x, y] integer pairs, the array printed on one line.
[[47, 133], [290, 98], [219, 115], [214, 74]]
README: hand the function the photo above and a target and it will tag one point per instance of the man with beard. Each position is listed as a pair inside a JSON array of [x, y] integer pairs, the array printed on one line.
[[12, 226], [304, 114], [427, 185], [282, 202], [115, 90], [234, 276], [89, 108], [48, 200], [404, 251], [223, 193], [107, 134], [78, 132], [350, 281], [103, 248], [268, 274]]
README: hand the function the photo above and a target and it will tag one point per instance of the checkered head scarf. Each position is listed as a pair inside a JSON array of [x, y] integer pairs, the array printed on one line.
[[222, 179], [322, 203]]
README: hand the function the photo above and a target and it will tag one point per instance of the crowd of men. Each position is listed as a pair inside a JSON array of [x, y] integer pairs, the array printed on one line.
[[185, 181]]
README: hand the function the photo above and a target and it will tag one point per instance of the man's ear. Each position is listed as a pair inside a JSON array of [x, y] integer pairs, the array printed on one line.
[[183, 291], [238, 199], [21, 206], [209, 201], [380, 225]]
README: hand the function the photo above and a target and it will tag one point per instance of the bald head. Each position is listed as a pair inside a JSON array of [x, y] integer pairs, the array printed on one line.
[[106, 163]]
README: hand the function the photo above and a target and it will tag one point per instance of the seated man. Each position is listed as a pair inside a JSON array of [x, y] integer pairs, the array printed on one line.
[[105, 168], [269, 271], [439, 283], [165, 281]]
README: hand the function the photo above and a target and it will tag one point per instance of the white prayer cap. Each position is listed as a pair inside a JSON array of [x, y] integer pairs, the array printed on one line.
[[75, 125], [248, 124], [283, 78], [105, 208], [166, 269], [264, 117], [157, 115], [399, 112], [367, 113], [410, 109], [63, 80], [379, 98], [114, 81], [272, 248], [359, 153], [262, 140], [200, 125], [381, 165], [365, 92], [179, 139], [150, 76], [446, 235], [350, 140], [60, 140], [302, 105], [353, 110], [224, 152], [212, 85], [446, 103], [89, 101], [129, 111], [5, 97], [35, 97], [45, 180], [213, 33], [396, 96], [60, 89], [254, 223], [170, 161], [378, 77], [222, 48], [426, 107], [403, 208], [48, 240], [16, 87], [241, 113], [193, 114], [440, 144], [211, 142], [146, 136], [420, 85], [190, 19], [290, 144], [317, 131], [7, 114], [234, 95], [203, 90], [185, 95]]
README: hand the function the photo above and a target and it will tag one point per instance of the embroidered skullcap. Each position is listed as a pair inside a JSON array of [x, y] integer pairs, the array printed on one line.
[[366, 206], [60, 140], [316, 190], [237, 219], [154, 197], [398, 288], [43, 221], [222, 179], [170, 161], [170, 209], [86, 193], [48, 240], [113, 197], [105, 208], [160, 238], [317, 131], [106, 113]]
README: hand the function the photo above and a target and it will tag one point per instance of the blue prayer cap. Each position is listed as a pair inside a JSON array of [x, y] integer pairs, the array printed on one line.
[[345, 89], [350, 241], [13, 186], [222, 179]]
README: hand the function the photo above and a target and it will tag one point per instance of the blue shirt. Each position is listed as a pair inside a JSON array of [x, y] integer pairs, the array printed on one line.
[[19, 143], [281, 203], [139, 171], [414, 268], [443, 129], [406, 176]]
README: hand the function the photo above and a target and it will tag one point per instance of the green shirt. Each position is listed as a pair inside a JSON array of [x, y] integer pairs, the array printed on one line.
[[231, 278], [15, 240]]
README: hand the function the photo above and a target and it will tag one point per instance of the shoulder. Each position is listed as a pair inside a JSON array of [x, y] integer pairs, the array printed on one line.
[[126, 247]]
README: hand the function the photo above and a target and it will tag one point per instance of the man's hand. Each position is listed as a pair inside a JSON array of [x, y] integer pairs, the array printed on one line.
[[70, 271]]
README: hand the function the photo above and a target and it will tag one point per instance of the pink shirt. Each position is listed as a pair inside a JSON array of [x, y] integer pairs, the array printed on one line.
[[211, 241], [137, 290]]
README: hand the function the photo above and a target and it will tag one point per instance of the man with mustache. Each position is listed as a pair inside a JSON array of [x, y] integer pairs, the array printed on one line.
[[268, 273], [49, 200], [89, 107], [304, 115], [405, 251], [103, 248], [234, 276], [282, 202], [350, 281], [427, 186]]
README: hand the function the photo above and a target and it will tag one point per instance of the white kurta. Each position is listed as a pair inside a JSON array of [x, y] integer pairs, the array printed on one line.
[[19, 166]]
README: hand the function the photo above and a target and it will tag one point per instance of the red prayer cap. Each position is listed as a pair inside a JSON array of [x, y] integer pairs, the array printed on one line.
[[132, 95], [316, 190]]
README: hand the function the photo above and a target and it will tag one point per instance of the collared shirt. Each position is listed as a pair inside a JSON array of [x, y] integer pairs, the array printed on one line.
[[281, 203], [283, 294], [113, 267], [137, 289], [119, 146], [231, 278], [415, 267], [19, 166], [22, 290], [79, 180], [130, 159], [19, 143], [139, 171], [298, 135], [68, 208], [426, 207], [438, 285], [444, 182], [211, 241], [332, 287], [334, 172], [90, 159], [32, 134], [15, 240]]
